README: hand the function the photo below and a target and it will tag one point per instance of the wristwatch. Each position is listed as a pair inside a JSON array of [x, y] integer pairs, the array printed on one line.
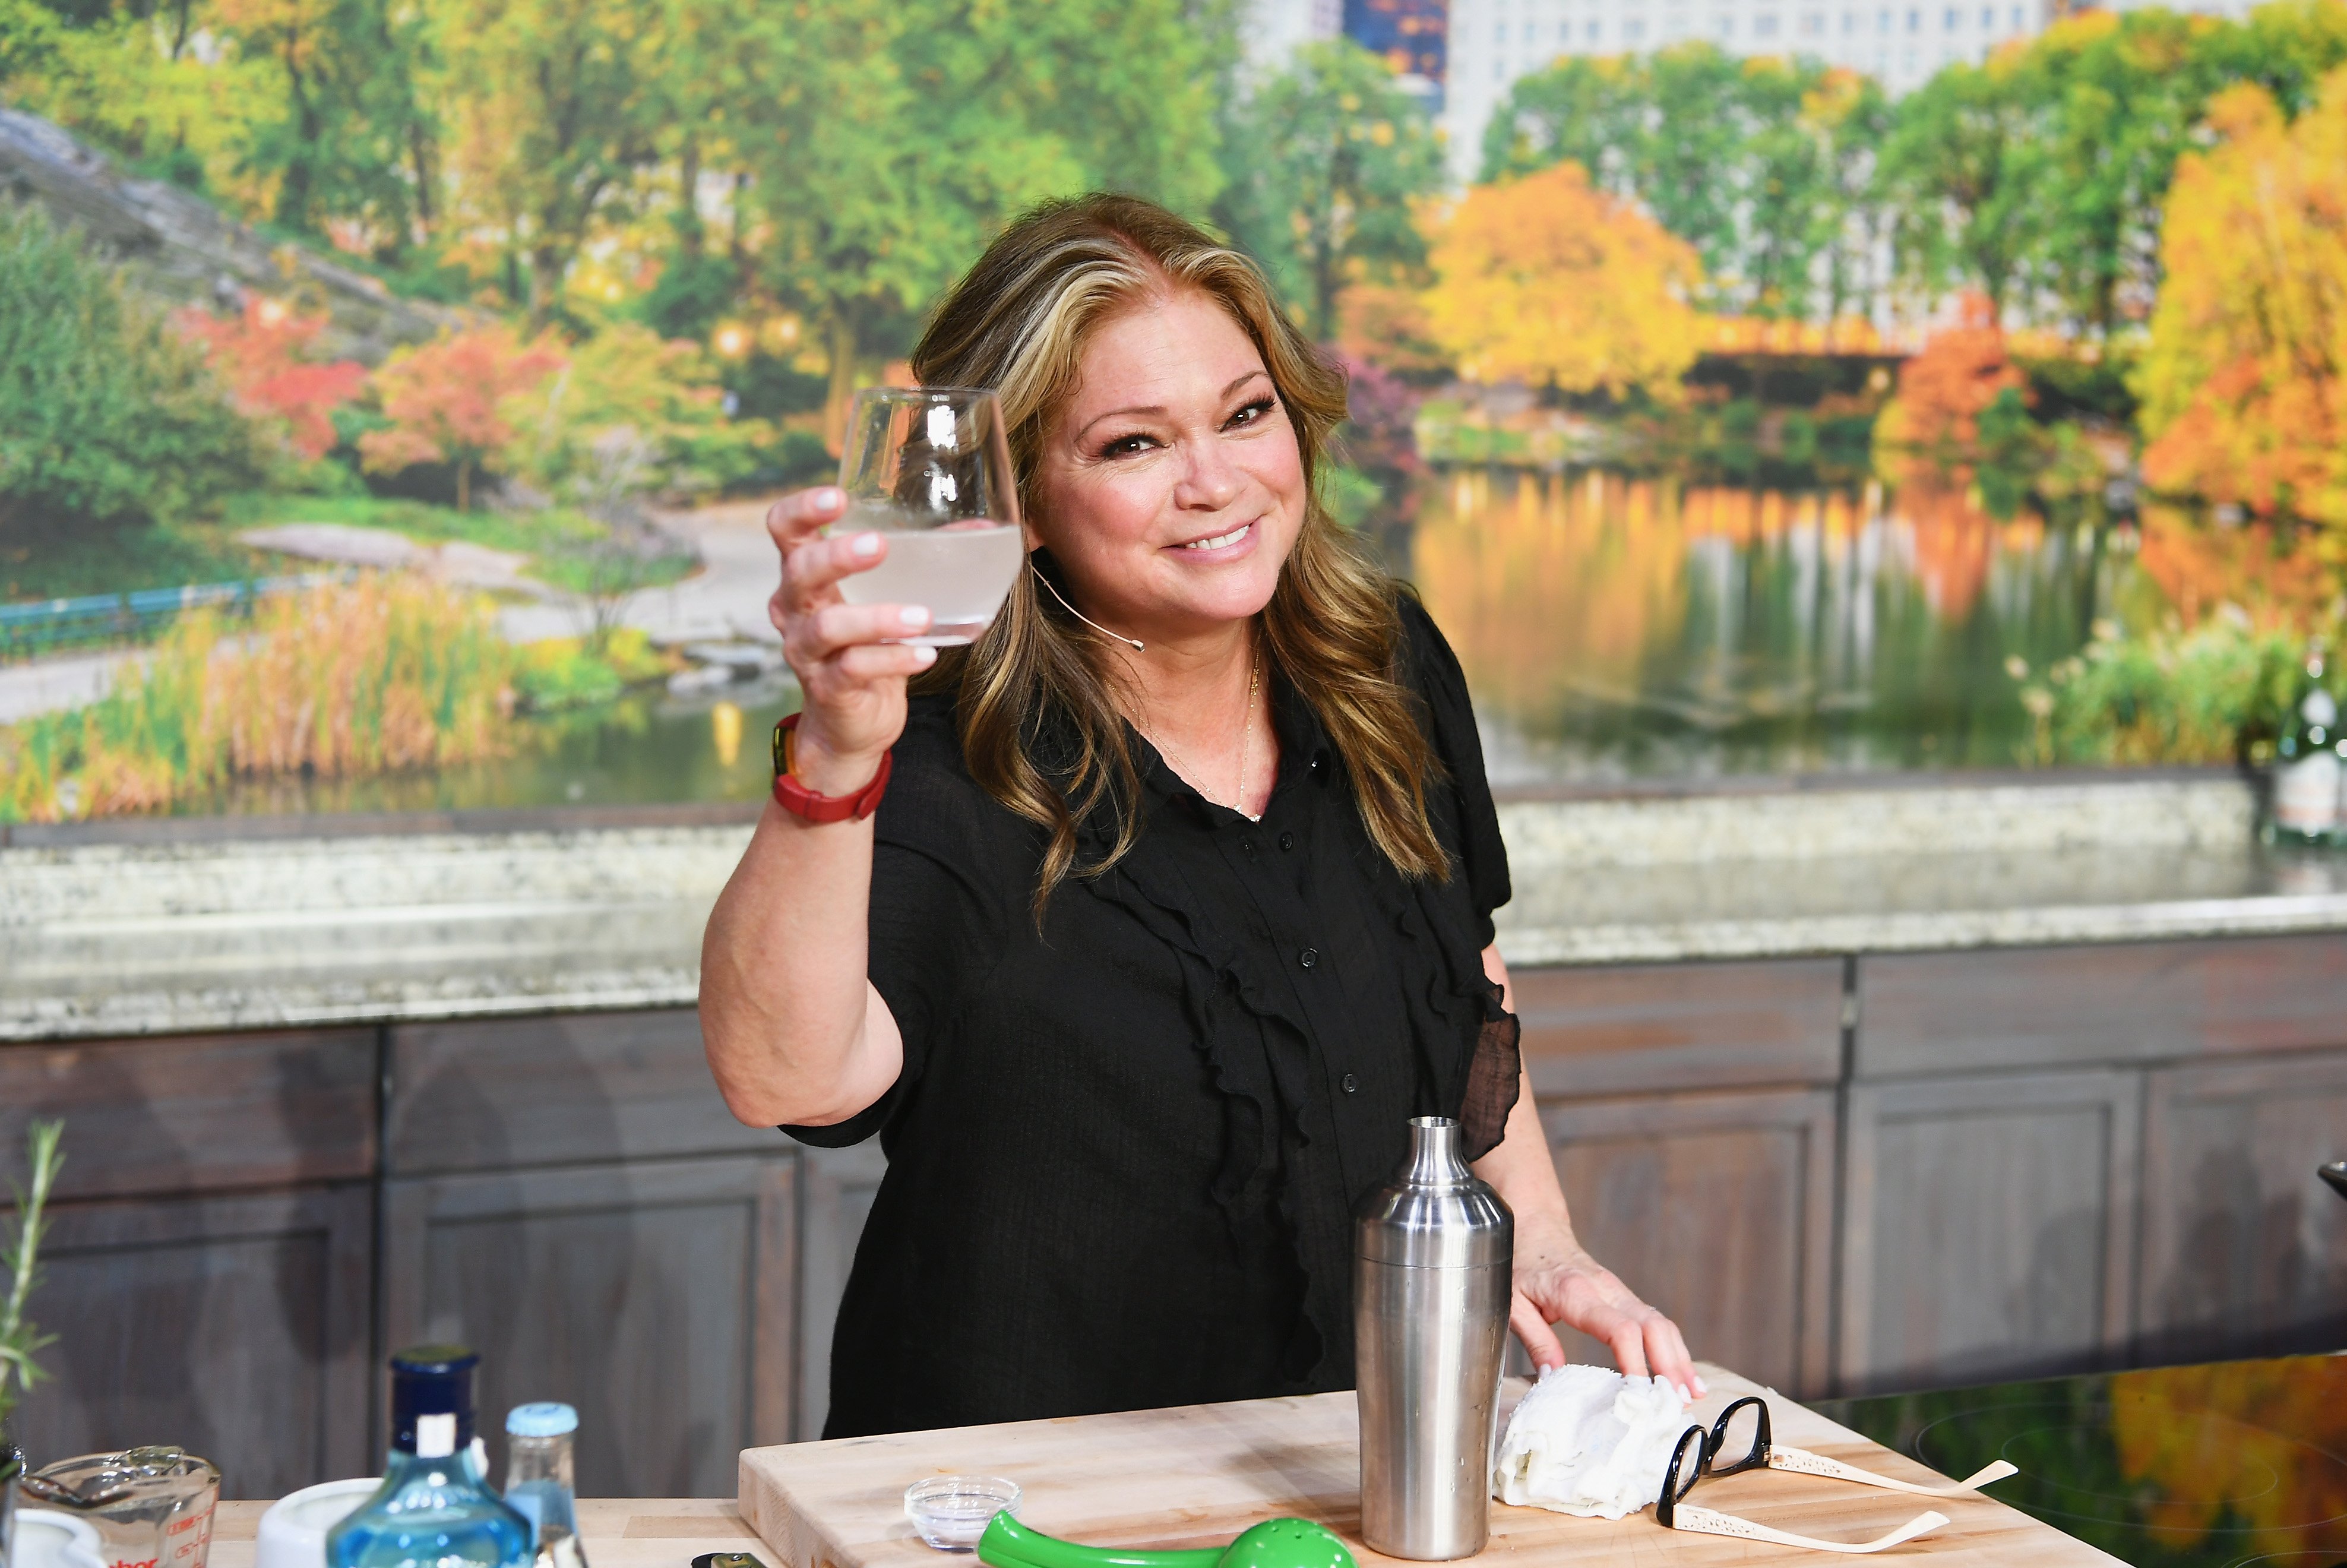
[[800, 801]]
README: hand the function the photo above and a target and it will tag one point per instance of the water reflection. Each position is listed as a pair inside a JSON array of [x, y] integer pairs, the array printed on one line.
[[1615, 625]]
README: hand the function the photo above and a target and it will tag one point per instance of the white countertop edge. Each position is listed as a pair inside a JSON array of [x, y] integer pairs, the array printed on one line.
[[1896, 932], [293, 1003], [294, 1006]]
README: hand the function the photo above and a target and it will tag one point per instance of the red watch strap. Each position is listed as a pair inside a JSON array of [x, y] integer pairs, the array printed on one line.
[[800, 801]]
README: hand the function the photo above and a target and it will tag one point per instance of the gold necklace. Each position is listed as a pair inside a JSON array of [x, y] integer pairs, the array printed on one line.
[[1246, 744]]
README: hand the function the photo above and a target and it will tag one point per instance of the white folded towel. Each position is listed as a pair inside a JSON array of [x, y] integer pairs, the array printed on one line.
[[1589, 1441]]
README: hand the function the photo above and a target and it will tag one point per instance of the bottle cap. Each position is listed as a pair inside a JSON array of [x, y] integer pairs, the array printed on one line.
[[432, 1399], [545, 1419]]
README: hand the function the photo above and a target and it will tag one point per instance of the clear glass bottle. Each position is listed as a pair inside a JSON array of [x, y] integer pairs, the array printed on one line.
[[434, 1508], [2307, 764], [538, 1480]]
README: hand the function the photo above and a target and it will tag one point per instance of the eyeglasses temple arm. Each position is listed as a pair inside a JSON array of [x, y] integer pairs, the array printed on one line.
[[1803, 1462], [1704, 1521]]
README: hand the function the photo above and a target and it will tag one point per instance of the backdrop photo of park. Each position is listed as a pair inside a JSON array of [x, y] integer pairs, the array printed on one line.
[[389, 389]]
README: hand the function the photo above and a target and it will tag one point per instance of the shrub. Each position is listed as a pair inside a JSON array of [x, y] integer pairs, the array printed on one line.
[[107, 414], [2208, 695], [376, 676]]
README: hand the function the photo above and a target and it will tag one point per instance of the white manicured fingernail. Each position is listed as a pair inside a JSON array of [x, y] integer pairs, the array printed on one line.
[[865, 545], [913, 615], [924, 657], [828, 498], [1701, 1386]]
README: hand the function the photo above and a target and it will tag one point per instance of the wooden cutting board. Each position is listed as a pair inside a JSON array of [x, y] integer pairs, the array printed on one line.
[[1198, 1475]]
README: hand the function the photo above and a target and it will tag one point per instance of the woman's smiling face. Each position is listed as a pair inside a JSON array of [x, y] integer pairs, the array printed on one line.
[[1171, 485]]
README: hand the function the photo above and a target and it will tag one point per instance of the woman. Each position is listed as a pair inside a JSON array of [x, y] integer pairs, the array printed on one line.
[[1177, 902]]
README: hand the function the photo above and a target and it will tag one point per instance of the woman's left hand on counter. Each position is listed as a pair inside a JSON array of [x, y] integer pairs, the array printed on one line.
[[1557, 1282]]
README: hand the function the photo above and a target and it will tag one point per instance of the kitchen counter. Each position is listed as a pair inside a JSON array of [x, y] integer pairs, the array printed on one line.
[[1197, 1476], [149, 928]]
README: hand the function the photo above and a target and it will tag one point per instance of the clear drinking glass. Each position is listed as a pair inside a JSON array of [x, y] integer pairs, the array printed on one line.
[[928, 468]]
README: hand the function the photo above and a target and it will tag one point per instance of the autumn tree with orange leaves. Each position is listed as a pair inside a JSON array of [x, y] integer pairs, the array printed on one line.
[[2244, 386], [446, 401], [262, 353], [1543, 280]]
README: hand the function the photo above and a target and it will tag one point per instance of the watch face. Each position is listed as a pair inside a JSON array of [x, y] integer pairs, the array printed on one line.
[[781, 748]]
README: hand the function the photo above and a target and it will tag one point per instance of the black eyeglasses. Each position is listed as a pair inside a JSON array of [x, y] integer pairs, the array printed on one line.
[[1743, 1431], [1745, 1423]]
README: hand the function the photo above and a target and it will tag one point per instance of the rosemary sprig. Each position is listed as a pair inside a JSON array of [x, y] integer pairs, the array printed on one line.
[[19, 1338]]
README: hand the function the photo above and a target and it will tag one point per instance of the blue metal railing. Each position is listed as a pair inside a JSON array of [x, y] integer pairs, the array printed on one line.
[[27, 629]]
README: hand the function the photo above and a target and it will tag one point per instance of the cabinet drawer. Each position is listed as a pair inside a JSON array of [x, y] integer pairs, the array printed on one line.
[[1631, 1028], [487, 1095], [2137, 1002], [199, 1112]]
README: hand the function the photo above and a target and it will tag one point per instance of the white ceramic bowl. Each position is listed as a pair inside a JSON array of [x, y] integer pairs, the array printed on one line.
[[52, 1538], [293, 1532]]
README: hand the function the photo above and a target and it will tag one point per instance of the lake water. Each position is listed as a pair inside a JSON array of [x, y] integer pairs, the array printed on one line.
[[1613, 627]]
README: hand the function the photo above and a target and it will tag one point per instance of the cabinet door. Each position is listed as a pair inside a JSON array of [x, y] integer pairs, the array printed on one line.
[[837, 1187], [233, 1326], [2245, 1250], [655, 1296], [1718, 1209], [1990, 1227]]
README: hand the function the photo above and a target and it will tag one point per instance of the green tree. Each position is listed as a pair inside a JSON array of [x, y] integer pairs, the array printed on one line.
[[1759, 163], [346, 134], [921, 127], [1962, 176], [556, 115], [1327, 163]]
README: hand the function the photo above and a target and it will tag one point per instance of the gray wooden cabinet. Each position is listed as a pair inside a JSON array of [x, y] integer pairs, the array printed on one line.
[[655, 1295], [236, 1327], [1837, 1174]]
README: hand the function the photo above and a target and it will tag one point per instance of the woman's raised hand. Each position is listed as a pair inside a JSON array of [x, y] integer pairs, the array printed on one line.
[[852, 673]]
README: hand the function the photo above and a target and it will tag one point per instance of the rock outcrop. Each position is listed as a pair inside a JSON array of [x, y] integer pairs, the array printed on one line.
[[175, 245]]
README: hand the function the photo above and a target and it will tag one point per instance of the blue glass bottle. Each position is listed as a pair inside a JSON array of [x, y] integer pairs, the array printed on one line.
[[434, 1508]]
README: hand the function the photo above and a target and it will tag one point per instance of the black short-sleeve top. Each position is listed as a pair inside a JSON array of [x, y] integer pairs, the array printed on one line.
[[1124, 1148]]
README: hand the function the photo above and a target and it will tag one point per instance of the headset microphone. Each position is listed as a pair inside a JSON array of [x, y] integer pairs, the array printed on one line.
[[1132, 642]]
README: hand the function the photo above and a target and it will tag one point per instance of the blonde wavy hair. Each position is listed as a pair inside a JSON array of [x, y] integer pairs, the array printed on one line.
[[1019, 321]]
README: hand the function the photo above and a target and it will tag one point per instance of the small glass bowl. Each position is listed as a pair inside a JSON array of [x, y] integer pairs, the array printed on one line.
[[951, 1512]]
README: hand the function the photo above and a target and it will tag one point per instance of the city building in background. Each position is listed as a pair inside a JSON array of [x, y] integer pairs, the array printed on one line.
[[1901, 44], [1272, 30], [1493, 41], [1412, 35]]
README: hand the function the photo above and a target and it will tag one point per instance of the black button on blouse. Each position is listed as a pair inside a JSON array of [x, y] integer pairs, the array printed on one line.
[[1124, 1150]]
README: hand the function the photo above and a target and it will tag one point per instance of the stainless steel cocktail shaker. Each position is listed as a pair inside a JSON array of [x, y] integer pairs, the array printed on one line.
[[1431, 1256]]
